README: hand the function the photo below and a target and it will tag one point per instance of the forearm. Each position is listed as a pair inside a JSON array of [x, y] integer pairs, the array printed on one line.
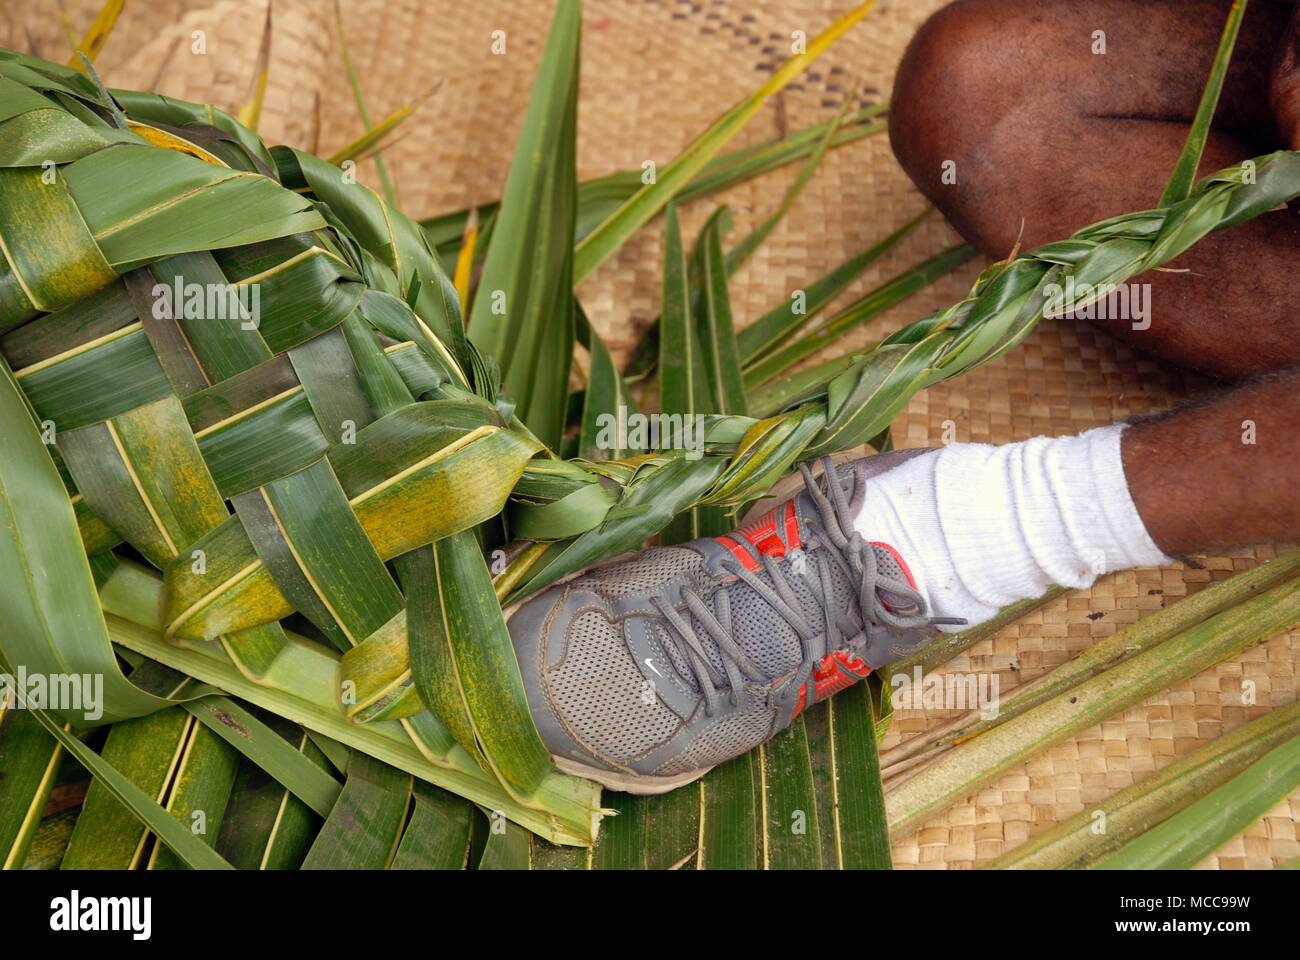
[[1221, 472]]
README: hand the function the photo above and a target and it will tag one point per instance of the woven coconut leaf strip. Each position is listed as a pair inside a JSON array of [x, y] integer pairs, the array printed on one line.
[[51, 258]]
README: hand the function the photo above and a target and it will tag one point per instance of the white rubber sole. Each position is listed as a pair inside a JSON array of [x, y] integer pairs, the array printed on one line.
[[643, 785]]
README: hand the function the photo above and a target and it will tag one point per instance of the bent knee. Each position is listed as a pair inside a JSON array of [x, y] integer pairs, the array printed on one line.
[[956, 76], [967, 89]]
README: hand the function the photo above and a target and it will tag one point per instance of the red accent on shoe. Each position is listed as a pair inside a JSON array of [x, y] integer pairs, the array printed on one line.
[[798, 707], [762, 534], [836, 672]]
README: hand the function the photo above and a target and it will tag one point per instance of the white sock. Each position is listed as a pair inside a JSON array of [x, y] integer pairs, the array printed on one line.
[[983, 526]]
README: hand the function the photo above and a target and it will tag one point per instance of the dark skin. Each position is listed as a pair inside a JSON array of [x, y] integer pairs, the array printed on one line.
[[1199, 488], [1048, 137]]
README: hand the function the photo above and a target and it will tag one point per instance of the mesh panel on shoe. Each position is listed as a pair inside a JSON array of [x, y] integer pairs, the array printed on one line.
[[599, 691], [646, 571], [767, 637], [888, 566], [721, 740]]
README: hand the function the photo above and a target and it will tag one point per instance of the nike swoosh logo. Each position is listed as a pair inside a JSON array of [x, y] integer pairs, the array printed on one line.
[[650, 663]]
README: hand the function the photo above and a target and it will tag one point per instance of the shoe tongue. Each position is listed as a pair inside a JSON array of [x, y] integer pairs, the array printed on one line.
[[765, 636]]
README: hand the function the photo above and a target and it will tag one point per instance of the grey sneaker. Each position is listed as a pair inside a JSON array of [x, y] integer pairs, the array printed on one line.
[[644, 673]]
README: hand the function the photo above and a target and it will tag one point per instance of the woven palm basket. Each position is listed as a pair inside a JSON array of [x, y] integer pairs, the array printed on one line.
[[656, 72]]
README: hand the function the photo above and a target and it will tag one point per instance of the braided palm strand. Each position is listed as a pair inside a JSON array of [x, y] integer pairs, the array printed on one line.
[[743, 457]]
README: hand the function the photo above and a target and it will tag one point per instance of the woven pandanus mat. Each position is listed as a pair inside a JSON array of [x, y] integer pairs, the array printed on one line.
[[655, 73]]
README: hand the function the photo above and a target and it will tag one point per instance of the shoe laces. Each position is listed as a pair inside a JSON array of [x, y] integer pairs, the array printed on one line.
[[856, 559]]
